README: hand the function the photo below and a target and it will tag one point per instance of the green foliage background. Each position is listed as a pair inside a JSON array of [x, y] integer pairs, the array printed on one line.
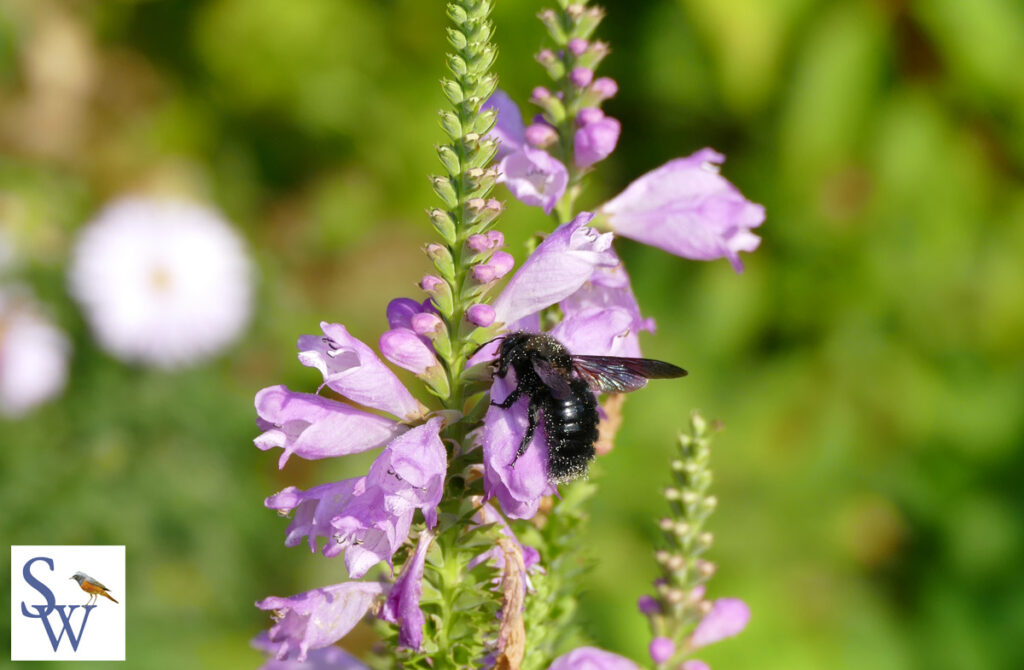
[[868, 366]]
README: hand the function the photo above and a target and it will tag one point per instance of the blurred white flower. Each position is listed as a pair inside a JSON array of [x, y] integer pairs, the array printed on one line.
[[162, 282], [33, 354]]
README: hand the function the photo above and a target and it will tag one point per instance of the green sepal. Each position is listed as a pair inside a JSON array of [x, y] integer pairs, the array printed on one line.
[[444, 224], [445, 189], [457, 38], [449, 159], [553, 22], [450, 125], [453, 91], [457, 14], [457, 65], [587, 22], [442, 260]]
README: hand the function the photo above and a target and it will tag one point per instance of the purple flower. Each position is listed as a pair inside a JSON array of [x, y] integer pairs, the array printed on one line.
[[596, 138], [318, 618], [315, 427], [687, 208], [407, 350], [369, 517], [728, 617], [648, 605], [592, 658], [403, 602], [351, 369], [604, 88], [581, 77], [532, 175], [576, 268], [661, 649], [327, 658], [312, 510], [557, 268], [480, 315]]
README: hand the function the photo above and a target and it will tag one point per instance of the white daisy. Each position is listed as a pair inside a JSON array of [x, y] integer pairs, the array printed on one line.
[[33, 354], [162, 282]]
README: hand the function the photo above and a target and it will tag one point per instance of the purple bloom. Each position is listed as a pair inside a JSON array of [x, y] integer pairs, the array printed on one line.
[[592, 658], [517, 489], [728, 617], [595, 140], [581, 76], [576, 268], [327, 658], [532, 175], [315, 427], [687, 208], [403, 602], [604, 88], [318, 618], [541, 135], [369, 517], [312, 510], [497, 267], [578, 46], [407, 350], [480, 315], [648, 605], [351, 369], [557, 268], [661, 649]]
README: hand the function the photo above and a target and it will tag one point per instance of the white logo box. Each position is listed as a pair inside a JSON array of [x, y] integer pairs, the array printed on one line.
[[98, 630]]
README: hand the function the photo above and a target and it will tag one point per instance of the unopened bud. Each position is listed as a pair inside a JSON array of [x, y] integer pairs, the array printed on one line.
[[666, 524], [678, 465], [605, 87], [698, 423], [581, 77], [682, 528], [427, 323], [675, 563], [690, 498], [705, 568], [480, 315], [647, 605], [710, 503], [704, 607], [706, 539], [578, 46], [541, 135], [672, 494], [675, 596]]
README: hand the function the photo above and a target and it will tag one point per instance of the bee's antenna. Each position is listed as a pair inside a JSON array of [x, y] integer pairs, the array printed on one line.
[[493, 339]]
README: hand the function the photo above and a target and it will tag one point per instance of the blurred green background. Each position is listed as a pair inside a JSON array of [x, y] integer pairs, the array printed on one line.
[[868, 366]]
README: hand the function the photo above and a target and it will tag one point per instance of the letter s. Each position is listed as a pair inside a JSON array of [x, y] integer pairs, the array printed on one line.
[[51, 602]]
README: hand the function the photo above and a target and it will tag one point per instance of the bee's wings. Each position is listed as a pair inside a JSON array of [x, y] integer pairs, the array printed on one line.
[[555, 381], [610, 374]]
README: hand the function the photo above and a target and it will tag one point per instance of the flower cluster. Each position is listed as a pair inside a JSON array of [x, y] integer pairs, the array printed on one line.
[[682, 619], [432, 535]]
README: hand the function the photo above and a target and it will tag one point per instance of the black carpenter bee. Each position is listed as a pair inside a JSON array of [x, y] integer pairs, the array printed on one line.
[[561, 385]]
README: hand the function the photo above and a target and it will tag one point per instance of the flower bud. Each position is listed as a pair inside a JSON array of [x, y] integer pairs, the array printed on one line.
[[675, 563], [682, 528], [578, 46], [541, 135], [648, 605], [674, 596], [605, 88], [705, 568], [440, 292], [662, 556], [705, 539], [666, 524], [442, 259], [596, 138], [698, 423], [444, 224], [710, 503], [672, 494], [581, 77], [427, 324], [689, 498], [480, 315], [662, 649], [551, 63]]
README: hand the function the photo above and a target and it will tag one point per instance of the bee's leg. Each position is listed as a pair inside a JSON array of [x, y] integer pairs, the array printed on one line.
[[516, 394], [533, 414]]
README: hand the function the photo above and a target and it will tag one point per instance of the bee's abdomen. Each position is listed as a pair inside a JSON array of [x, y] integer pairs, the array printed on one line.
[[571, 425]]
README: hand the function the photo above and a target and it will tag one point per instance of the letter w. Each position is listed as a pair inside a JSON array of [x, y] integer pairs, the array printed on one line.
[[65, 618]]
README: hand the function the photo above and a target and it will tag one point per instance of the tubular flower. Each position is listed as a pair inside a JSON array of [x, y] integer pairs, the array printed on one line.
[[575, 268], [728, 617], [315, 427], [688, 209], [369, 517], [532, 175], [402, 605], [596, 136], [592, 658], [327, 658], [318, 618], [351, 369]]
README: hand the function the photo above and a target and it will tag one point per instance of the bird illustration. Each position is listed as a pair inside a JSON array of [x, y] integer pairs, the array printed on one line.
[[91, 586]]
